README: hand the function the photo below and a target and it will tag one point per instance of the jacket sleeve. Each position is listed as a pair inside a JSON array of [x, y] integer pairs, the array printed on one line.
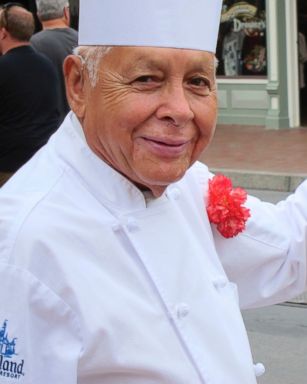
[[268, 260], [40, 338]]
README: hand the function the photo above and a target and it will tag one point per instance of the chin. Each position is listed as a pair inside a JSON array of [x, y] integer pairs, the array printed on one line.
[[162, 179]]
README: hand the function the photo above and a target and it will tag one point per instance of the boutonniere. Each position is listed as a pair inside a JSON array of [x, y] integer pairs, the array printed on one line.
[[225, 206]]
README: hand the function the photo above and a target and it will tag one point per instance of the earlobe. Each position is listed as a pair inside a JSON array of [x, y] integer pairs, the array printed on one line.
[[75, 87]]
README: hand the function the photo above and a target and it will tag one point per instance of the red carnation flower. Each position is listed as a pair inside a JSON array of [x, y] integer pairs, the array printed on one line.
[[225, 206]]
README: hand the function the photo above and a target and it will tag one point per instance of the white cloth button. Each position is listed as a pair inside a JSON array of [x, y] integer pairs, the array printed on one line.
[[220, 282], [259, 369], [182, 310], [132, 224]]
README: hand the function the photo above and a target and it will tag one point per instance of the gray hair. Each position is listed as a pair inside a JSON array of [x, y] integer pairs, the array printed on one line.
[[91, 57], [50, 9]]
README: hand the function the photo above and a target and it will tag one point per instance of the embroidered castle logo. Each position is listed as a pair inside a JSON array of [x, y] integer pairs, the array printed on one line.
[[9, 367]]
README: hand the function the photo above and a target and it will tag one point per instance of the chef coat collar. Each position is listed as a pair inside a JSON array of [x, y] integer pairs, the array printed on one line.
[[106, 184]]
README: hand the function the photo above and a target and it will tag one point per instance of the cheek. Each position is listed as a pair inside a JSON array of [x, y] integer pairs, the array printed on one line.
[[134, 109], [206, 122], [206, 118]]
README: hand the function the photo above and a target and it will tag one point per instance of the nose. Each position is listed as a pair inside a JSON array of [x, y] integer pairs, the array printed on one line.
[[175, 107]]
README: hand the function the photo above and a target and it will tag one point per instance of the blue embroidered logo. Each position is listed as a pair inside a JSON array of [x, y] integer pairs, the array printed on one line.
[[8, 367], [7, 348]]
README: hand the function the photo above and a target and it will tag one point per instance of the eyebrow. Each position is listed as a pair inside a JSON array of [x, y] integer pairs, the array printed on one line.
[[145, 63]]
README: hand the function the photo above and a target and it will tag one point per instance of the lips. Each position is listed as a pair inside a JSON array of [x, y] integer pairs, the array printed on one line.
[[165, 147], [167, 142]]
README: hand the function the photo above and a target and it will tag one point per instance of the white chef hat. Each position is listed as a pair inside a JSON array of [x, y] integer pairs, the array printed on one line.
[[190, 24]]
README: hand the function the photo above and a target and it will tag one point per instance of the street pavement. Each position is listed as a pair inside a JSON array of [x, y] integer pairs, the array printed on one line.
[[254, 149], [278, 338]]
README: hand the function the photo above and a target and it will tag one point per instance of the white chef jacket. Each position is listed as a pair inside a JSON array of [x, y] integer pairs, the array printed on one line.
[[103, 284]]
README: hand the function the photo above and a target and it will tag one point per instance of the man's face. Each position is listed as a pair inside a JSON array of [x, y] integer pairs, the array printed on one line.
[[152, 112]]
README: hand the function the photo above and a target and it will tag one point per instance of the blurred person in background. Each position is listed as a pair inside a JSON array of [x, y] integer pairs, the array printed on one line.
[[28, 92], [56, 40]]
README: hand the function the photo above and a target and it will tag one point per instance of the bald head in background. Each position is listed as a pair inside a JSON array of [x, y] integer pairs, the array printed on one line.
[[16, 27]]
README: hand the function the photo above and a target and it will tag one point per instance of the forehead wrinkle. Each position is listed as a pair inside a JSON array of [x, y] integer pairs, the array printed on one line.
[[192, 65]]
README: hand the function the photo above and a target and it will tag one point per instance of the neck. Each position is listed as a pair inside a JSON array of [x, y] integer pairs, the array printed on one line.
[[56, 23], [13, 45]]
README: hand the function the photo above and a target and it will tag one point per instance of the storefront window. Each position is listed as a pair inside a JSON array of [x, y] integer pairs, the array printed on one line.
[[241, 48]]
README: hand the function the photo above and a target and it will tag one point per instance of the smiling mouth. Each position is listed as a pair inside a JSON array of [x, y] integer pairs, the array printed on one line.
[[165, 148], [166, 143]]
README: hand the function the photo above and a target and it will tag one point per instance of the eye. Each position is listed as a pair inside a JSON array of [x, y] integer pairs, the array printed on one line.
[[200, 85], [146, 82], [145, 79], [199, 81]]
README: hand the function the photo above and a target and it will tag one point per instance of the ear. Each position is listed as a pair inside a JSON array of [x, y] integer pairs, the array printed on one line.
[[3, 33], [75, 85], [66, 15]]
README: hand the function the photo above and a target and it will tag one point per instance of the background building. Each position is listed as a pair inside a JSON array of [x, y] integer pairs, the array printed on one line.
[[261, 70]]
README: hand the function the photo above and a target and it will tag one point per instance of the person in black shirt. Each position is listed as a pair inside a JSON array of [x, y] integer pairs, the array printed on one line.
[[29, 90]]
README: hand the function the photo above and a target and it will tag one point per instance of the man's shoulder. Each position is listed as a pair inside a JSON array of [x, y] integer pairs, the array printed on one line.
[[22, 55], [42, 40], [4, 62], [37, 37], [10, 57], [55, 43], [21, 59], [53, 34], [72, 32]]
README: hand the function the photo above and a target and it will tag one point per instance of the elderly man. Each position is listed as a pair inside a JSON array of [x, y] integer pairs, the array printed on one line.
[[110, 269]]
